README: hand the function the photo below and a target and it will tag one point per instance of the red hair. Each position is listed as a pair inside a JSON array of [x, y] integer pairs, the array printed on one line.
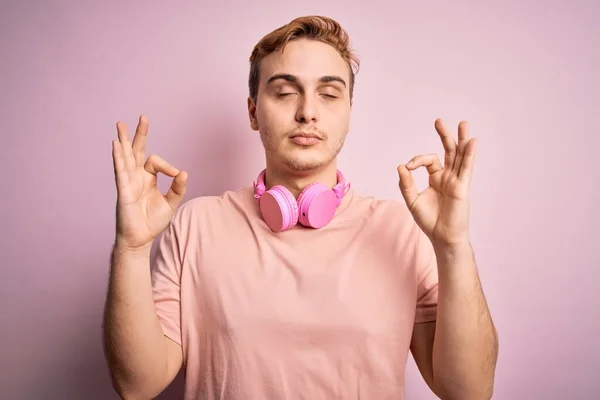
[[319, 28]]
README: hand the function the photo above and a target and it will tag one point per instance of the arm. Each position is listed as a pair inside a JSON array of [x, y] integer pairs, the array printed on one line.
[[142, 361], [457, 354], [462, 344]]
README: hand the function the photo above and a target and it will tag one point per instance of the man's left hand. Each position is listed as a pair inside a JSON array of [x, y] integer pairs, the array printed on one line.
[[442, 209]]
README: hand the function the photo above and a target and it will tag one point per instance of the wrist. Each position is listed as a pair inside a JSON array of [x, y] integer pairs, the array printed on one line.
[[448, 253], [124, 249]]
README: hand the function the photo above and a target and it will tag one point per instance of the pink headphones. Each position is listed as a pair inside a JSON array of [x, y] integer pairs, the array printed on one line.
[[314, 208]]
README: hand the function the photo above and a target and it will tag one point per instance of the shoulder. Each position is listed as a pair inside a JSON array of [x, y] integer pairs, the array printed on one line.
[[385, 213], [208, 208], [386, 221], [388, 227]]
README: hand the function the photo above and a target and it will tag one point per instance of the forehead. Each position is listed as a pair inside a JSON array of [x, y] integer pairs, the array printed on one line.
[[307, 59]]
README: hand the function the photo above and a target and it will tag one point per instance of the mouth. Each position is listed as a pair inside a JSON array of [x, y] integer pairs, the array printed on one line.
[[305, 135], [305, 139]]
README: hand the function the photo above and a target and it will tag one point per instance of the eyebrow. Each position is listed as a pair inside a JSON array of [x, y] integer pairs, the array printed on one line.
[[292, 78]]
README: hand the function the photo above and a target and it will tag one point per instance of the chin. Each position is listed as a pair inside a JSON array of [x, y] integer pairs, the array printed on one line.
[[304, 163]]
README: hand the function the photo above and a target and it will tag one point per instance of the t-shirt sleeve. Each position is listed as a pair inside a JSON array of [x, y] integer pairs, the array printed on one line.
[[166, 281], [427, 279]]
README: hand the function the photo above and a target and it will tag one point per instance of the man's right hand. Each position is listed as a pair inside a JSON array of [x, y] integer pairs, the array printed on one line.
[[143, 212]]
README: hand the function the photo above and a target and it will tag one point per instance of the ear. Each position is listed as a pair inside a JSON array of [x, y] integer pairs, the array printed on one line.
[[252, 114]]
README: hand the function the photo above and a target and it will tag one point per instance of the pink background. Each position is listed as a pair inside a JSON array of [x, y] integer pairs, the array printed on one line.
[[524, 75]]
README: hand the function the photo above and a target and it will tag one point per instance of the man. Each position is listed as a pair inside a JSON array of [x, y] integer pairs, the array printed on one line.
[[297, 286]]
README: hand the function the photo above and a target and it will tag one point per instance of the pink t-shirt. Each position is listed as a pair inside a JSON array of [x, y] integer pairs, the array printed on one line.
[[301, 314]]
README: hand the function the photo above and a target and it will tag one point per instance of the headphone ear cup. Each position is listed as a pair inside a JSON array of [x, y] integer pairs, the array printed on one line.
[[316, 205], [279, 208]]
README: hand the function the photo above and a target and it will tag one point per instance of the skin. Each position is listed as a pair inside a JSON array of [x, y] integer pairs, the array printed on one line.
[[141, 360], [456, 354], [313, 96]]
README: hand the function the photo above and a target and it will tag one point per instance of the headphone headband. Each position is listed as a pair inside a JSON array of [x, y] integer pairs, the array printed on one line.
[[340, 189]]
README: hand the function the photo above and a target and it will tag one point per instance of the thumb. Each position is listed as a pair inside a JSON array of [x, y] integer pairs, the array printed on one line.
[[177, 189], [407, 185]]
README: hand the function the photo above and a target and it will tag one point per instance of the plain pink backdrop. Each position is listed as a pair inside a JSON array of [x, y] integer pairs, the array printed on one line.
[[525, 74]]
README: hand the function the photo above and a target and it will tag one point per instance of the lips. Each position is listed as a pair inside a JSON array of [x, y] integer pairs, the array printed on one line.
[[305, 135], [305, 139]]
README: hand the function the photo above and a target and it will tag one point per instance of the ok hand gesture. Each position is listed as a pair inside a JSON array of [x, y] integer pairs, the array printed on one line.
[[442, 209], [143, 212]]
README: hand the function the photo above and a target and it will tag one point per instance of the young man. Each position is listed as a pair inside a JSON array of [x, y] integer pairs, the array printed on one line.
[[297, 286]]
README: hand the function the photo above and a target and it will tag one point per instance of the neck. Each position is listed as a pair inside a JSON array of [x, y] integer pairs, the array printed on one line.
[[296, 181]]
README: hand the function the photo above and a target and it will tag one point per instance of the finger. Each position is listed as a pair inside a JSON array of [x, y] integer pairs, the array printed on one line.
[[156, 164], [463, 139], [430, 161], [121, 176], [448, 142], [407, 185], [139, 141], [466, 169], [177, 189], [126, 146]]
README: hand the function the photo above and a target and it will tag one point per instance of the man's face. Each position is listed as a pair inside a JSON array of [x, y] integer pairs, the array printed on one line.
[[302, 91]]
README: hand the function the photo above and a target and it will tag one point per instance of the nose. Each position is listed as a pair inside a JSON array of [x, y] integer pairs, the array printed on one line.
[[307, 110]]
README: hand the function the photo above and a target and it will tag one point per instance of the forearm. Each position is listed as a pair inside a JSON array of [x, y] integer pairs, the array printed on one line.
[[465, 344], [133, 338]]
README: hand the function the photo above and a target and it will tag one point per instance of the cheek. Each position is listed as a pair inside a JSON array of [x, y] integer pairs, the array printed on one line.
[[263, 116], [340, 123], [269, 123]]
